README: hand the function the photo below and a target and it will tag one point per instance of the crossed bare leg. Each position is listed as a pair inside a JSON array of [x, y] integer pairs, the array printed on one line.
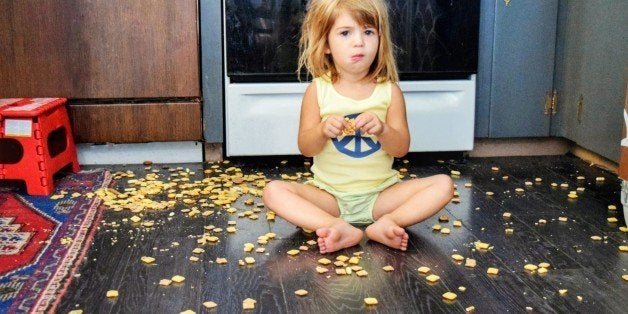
[[343, 235]]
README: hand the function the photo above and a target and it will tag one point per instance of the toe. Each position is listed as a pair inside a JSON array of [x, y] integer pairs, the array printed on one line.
[[322, 232], [400, 232], [321, 242]]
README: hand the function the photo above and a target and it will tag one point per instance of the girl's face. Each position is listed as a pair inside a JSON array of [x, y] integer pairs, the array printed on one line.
[[353, 47]]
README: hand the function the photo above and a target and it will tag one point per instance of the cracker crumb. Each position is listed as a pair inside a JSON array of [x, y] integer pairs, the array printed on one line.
[[248, 304], [321, 270], [370, 301], [147, 259], [178, 278], [165, 282], [361, 273], [457, 257], [449, 296], [301, 292], [432, 278], [470, 263], [210, 304]]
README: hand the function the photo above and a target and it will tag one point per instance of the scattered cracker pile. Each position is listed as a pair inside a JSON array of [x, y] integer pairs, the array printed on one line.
[[222, 189]]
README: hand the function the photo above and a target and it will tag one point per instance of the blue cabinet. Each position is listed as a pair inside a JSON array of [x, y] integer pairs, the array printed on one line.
[[516, 66], [553, 68], [590, 75]]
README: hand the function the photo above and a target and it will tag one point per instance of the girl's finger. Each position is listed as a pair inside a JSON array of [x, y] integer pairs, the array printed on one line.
[[360, 122]]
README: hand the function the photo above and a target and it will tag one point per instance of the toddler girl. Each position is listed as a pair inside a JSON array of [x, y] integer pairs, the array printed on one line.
[[353, 124]]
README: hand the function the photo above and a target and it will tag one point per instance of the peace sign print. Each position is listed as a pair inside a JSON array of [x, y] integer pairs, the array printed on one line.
[[362, 146]]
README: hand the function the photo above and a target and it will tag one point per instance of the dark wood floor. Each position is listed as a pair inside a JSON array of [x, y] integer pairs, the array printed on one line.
[[591, 271]]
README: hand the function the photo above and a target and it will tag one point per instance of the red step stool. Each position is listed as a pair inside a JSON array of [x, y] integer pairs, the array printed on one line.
[[35, 142]]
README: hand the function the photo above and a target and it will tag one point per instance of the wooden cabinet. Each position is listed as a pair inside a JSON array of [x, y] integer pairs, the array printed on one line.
[[100, 52], [128, 123], [591, 74]]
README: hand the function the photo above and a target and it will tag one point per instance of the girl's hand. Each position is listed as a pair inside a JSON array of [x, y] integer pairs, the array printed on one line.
[[369, 123], [333, 126]]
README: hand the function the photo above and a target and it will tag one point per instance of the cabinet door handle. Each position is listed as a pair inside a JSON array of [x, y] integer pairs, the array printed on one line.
[[548, 103], [554, 102]]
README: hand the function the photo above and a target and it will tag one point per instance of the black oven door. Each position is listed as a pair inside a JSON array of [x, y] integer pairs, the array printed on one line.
[[434, 39]]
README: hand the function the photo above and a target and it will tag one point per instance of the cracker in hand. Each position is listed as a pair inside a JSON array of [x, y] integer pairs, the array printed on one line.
[[350, 130]]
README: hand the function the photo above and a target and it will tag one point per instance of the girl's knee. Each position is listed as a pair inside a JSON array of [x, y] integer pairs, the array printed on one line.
[[271, 190], [274, 191], [445, 183]]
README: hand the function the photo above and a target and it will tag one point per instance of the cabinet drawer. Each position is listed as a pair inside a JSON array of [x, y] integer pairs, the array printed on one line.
[[136, 123]]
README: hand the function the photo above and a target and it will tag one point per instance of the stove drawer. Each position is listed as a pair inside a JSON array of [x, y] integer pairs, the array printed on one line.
[[263, 118]]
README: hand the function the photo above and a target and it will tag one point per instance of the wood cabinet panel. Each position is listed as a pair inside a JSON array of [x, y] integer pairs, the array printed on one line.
[[99, 49], [132, 123]]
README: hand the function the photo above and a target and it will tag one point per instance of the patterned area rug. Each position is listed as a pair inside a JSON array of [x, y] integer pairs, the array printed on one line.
[[43, 241]]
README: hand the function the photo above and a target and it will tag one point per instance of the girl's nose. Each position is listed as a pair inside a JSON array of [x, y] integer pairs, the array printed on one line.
[[358, 39]]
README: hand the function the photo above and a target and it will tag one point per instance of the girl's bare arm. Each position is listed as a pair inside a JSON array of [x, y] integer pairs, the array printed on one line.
[[395, 137], [314, 133]]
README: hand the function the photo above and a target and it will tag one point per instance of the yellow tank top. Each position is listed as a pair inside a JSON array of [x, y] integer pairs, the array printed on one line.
[[352, 162]]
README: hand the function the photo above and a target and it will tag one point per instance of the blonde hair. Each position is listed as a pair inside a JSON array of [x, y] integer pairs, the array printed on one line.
[[320, 17]]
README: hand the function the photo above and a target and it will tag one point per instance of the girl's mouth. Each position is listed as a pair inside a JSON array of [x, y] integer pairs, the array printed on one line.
[[357, 57]]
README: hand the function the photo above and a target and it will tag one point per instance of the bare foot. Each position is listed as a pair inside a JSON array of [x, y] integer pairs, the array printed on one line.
[[337, 237], [386, 232]]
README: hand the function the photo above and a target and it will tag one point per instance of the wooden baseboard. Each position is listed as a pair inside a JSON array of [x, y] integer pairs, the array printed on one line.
[[594, 159], [502, 147], [539, 146]]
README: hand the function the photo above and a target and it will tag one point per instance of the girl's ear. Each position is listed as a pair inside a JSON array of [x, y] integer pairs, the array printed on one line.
[[327, 50]]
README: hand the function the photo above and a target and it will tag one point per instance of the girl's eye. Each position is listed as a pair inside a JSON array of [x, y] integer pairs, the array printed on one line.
[[344, 33], [369, 32]]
